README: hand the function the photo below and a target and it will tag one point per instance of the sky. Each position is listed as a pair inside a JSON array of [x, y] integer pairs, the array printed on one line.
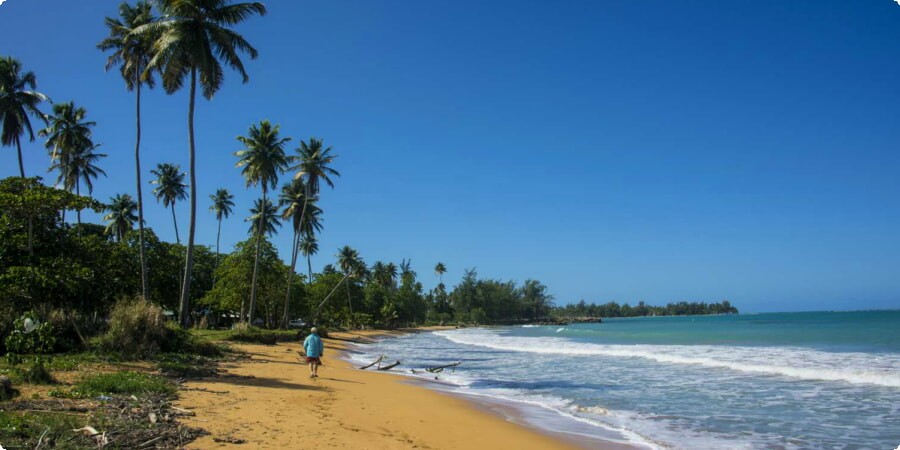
[[618, 150]]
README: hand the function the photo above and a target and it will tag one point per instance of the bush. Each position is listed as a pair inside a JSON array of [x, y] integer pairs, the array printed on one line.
[[246, 333], [37, 373], [33, 340], [138, 329]]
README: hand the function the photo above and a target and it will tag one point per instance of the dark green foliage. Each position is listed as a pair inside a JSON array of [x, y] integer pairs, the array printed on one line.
[[613, 309], [37, 341], [244, 333]]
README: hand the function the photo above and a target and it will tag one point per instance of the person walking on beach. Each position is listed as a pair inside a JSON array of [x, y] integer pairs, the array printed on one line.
[[314, 348]]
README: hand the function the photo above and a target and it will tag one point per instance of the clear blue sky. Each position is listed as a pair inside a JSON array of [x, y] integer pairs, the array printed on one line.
[[615, 150]]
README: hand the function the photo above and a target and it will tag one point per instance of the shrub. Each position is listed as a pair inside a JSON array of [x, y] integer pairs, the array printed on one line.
[[37, 373], [246, 333], [39, 339], [138, 329]]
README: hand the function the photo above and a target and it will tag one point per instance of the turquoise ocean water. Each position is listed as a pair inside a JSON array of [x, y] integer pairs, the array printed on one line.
[[779, 381]]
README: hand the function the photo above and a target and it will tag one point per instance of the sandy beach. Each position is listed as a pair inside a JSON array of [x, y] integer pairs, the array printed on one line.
[[269, 401]]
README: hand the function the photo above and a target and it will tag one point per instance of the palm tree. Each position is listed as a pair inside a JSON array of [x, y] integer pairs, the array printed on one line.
[[132, 53], [314, 166], [169, 188], [352, 265], [81, 167], [67, 132], [265, 217], [309, 246], [262, 160], [223, 206], [407, 275], [293, 200], [390, 270], [17, 103], [440, 269], [121, 216], [194, 39]]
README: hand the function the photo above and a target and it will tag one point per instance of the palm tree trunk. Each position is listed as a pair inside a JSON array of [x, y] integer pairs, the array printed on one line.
[[145, 291], [21, 165], [309, 268], [184, 317], [175, 221], [78, 212], [260, 229], [218, 235], [349, 303], [290, 277]]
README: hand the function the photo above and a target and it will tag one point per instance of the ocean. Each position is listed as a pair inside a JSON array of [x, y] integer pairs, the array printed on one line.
[[775, 380]]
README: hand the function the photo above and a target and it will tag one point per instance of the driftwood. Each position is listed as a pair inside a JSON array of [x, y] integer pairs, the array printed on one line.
[[391, 366], [440, 369], [377, 361]]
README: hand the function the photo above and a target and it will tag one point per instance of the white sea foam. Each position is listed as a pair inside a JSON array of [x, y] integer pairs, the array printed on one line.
[[808, 364]]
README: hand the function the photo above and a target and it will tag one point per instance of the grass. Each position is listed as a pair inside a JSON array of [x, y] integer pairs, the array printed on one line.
[[186, 365], [247, 334], [117, 383], [21, 430]]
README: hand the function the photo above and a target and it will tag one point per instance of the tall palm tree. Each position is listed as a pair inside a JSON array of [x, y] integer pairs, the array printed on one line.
[[169, 188], [121, 216], [391, 271], [223, 206], [313, 166], [309, 246], [440, 269], [81, 166], [132, 53], [67, 132], [407, 274], [352, 265], [18, 101], [293, 200], [263, 217], [261, 161], [194, 39]]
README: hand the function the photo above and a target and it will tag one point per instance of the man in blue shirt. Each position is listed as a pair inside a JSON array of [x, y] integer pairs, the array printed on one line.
[[314, 348]]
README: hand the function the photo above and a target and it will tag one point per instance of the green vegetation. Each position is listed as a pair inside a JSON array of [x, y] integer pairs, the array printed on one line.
[[123, 383], [613, 309]]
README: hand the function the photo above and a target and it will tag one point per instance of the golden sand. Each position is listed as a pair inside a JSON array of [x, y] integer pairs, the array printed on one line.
[[269, 401]]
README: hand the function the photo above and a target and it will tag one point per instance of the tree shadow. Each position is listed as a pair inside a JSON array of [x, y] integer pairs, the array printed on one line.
[[261, 382]]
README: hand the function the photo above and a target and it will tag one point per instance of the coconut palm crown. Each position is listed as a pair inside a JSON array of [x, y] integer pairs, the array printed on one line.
[[18, 102]]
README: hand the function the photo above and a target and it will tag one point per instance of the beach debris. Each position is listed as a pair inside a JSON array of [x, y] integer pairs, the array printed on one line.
[[377, 361], [91, 432], [127, 423], [390, 366], [439, 369], [229, 440]]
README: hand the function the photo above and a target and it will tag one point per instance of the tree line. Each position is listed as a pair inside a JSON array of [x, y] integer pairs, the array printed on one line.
[[613, 309]]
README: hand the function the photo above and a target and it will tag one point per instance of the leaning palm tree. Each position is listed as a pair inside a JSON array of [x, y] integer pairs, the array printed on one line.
[[293, 200], [81, 166], [121, 216], [352, 265], [194, 39], [223, 206], [261, 161], [132, 53], [18, 101], [313, 167], [309, 246], [263, 218], [169, 188]]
